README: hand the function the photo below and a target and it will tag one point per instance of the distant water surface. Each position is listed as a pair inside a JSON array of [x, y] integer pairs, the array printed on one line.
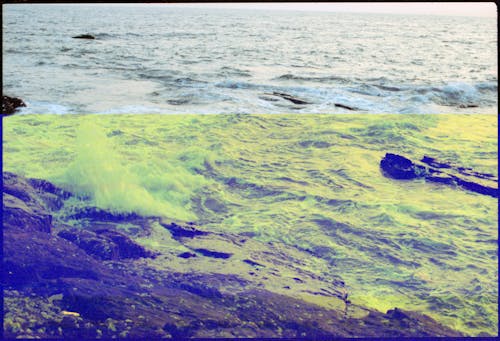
[[176, 60]]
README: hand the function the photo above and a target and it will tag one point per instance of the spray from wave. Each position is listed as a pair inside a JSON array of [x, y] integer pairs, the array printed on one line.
[[99, 173]]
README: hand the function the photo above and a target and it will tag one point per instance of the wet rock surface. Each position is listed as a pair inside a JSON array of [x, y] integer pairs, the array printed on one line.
[[179, 231], [11, 104], [93, 280], [105, 244], [401, 168]]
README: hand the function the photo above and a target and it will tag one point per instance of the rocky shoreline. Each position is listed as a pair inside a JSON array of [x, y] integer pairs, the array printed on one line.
[[91, 273]]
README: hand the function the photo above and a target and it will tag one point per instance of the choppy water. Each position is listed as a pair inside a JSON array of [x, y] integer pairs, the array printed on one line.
[[173, 60], [310, 181]]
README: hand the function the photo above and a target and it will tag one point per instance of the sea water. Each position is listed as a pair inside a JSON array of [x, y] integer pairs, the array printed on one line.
[[312, 182], [149, 59]]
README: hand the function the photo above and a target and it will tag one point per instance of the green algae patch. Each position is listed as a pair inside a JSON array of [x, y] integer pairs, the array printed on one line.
[[312, 182]]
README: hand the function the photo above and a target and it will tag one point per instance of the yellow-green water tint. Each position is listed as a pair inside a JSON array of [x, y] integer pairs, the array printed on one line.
[[311, 181]]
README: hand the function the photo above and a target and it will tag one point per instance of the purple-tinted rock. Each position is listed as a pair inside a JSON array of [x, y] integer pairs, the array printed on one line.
[[178, 231], [399, 167], [32, 257], [186, 255], [95, 213], [105, 244]]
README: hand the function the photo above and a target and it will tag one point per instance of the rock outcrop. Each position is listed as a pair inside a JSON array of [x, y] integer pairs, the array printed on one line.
[[87, 278], [105, 244], [84, 36], [401, 168], [10, 104]]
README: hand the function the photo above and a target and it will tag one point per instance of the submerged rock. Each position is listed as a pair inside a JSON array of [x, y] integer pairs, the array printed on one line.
[[10, 104], [213, 254], [398, 167]]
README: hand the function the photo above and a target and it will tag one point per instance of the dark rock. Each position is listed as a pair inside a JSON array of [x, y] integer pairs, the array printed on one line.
[[339, 105], [19, 216], [213, 254], [10, 104], [38, 195], [433, 163], [290, 98], [186, 255], [48, 187], [478, 188], [442, 178], [84, 36], [252, 263], [397, 314], [179, 231], [35, 257], [23, 206], [127, 248], [399, 167], [105, 244], [98, 214], [91, 243]]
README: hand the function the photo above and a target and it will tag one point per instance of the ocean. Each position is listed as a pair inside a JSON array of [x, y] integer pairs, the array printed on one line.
[[292, 207], [159, 59]]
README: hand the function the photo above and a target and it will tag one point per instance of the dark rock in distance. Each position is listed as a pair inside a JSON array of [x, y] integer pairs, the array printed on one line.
[[288, 97], [10, 104], [84, 36], [343, 106]]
